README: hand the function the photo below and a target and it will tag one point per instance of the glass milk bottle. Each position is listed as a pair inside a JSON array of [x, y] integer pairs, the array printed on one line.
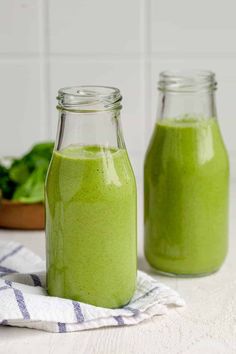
[[91, 202], [186, 179]]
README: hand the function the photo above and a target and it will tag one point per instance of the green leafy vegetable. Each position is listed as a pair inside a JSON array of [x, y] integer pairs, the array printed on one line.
[[24, 179], [7, 185], [32, 190], [19, 172]]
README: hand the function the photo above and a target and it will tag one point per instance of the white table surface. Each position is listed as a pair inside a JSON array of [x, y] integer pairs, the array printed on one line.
[[206, 325]]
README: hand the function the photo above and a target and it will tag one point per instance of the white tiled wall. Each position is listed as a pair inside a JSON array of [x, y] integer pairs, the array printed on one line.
[[48, 44]]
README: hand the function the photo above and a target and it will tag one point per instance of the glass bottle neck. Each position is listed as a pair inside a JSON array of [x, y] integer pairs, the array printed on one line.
[[89, 129], [89, 116], [187, 93], [181, 104]]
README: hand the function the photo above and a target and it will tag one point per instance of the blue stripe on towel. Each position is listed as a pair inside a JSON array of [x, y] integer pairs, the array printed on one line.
[[146, 294], [36, 280], [119, 320], [7, 270], [8, 283], [78, 313], [21, 304], [18, 248], [20, 300], [61, 327], [135, 312]]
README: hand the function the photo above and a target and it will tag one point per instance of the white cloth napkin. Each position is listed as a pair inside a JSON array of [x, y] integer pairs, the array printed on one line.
[[24, 301]]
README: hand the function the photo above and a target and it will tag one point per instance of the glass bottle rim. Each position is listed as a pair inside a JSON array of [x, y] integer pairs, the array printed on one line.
[[187, 81], [89, 98]]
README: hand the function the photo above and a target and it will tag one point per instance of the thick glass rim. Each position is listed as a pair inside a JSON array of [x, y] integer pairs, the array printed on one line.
[[187, 81], [89, 98]]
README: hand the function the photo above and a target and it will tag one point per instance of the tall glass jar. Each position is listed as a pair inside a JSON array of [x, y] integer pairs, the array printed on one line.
[[91, 202], [186, 177]]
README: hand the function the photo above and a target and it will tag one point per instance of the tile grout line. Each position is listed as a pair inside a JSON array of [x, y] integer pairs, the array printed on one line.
[[45, 129], [104, 56], [146, 38]]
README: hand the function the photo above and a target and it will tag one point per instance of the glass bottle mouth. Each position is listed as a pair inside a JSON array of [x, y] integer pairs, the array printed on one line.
[[89, 98], [187, 81]]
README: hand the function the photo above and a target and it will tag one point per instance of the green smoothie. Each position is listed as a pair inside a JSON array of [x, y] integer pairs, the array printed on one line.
[[91, 226], [186, 197]]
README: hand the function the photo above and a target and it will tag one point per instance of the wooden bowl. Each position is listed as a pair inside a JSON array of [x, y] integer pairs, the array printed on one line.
[[21, 216]]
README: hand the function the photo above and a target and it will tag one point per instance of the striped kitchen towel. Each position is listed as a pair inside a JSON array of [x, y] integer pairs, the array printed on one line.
[[24, 301]]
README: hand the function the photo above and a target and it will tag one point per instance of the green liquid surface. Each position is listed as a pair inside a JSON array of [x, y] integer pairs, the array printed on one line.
[[186, 197], [91, 226]]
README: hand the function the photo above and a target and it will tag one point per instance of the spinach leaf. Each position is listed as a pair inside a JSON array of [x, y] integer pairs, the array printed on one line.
[[32, 190], [7, 186], [24, 179]]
